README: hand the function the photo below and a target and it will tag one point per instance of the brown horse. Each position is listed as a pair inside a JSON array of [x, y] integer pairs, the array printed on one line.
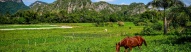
[[130, 42]]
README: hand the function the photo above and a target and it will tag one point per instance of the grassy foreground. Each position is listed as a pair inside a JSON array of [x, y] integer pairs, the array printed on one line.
[[84, 37]]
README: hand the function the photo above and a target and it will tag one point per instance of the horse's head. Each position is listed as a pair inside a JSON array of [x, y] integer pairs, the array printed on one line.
[[117, 47]]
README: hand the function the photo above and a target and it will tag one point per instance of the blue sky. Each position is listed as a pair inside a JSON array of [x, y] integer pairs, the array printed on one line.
[[28, 2], [126, 2]]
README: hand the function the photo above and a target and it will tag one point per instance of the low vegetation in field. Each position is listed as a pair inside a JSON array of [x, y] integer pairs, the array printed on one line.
[[86, 26], [85, 37]]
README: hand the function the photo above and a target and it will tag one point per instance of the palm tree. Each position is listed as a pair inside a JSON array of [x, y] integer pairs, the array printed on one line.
[[164, 4]]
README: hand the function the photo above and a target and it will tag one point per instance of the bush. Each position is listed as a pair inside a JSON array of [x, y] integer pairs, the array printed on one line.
[[110, 24], [147, 31], [188, 24], [153, 29], [157, 26], [141, 23], [99, 24], [120, 23]]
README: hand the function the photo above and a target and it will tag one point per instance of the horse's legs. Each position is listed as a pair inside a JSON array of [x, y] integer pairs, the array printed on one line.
[[126, 50], [130, 48], [139, 47]]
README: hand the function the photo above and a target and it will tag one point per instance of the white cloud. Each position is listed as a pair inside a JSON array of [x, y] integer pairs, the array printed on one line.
[[106, 0], [29, 0], [124, 4]]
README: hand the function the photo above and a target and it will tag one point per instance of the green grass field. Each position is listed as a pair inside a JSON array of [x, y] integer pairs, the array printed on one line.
[[84, 37]]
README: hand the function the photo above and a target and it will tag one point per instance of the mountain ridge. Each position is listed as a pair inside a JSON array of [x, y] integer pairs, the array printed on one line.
[[77, 5], [18, 1], [11, 6]]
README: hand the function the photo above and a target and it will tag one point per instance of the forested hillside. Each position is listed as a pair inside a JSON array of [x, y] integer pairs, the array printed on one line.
[[11, 6], [75, 11]]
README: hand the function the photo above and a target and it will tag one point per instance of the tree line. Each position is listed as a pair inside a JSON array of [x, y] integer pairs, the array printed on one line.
[[85, 16]]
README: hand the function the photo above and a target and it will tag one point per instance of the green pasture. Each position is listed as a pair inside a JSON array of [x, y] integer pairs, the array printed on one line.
[[84, 37]]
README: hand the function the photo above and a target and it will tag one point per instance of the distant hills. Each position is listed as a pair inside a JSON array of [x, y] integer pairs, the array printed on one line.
[[11, 6], [38, 4], [80, 5], [18, 1]]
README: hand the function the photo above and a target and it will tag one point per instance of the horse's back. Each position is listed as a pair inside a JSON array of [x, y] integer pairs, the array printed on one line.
[[140, 38], [132, 41]]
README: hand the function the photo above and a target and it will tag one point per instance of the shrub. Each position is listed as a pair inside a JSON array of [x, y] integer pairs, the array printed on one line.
[[147, 31], [157, 26], [120, 23], [110, 24], [152, 29], [188, 24], [141, 23], [99, 24]]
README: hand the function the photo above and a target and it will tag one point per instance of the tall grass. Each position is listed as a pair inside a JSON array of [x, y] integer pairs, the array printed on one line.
[[84, 37]]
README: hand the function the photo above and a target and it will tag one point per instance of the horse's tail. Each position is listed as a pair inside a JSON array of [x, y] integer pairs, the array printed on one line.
[[145, 42]]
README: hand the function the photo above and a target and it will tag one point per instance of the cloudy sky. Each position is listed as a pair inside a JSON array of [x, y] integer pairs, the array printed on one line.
[[28, 2]]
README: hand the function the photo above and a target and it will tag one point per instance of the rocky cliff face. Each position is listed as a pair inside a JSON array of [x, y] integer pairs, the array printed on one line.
[[73, 5], [18, 1], [38, 4], [79, 5]]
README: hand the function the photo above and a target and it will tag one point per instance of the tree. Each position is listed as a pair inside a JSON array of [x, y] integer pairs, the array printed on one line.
[[164, 4], [178, 19]]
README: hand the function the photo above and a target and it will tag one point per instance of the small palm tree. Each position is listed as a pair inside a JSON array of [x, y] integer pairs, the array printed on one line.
[[164, 4]]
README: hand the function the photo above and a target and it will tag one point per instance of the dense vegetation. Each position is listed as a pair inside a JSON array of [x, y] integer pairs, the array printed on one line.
[[11, 7]]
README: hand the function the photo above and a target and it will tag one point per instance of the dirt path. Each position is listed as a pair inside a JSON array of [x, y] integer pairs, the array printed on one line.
[[36, 28]]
